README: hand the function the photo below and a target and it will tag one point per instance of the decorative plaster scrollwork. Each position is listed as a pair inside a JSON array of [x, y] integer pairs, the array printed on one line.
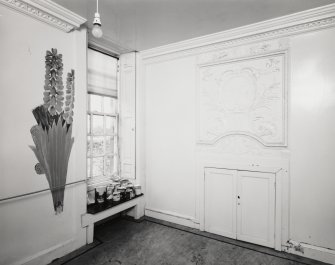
[[243, 97], [240, 145], [48, 12], [244, 51]]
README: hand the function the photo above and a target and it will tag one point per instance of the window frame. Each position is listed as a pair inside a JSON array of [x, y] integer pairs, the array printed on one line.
[[114, 94]]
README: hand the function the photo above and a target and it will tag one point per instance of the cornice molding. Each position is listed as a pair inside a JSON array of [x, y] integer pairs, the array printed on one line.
[[294, 24], [48, 12]]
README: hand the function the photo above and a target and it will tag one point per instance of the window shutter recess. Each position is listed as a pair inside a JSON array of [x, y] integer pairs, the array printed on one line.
[[127, 114], [101, 74]]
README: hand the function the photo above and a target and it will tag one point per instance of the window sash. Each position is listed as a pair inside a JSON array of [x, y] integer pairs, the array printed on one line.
[[115, 153]]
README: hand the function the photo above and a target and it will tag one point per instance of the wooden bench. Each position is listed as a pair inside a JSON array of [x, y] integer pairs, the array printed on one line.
[[88, 220]]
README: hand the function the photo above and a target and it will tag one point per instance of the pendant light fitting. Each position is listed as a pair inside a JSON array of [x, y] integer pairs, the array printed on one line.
[[96, 30]]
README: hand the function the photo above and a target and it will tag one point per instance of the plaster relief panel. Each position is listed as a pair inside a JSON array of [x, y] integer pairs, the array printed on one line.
[[244, 51], [239, 145], [243, 97]]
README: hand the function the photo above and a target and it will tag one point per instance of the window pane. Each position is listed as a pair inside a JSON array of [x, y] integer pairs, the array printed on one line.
[[89, 148], [109, 144], [110, 123], [88, 124], [109, 165], [96, 103], [98, 166], [88, 167], [98, 124], [98, 145], [109, 105]]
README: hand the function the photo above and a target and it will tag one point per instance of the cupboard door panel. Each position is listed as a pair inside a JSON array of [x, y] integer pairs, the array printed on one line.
[[220, 202], [256, 207]]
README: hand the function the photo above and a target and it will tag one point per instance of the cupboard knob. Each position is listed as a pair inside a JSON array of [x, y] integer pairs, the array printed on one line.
[[238, 197]]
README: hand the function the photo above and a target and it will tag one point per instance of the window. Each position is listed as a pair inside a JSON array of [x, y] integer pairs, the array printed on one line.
[[101, 136], [102, 118]]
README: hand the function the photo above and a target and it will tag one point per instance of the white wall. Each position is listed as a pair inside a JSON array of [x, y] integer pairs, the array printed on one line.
[[311, 138], [169, 82], [170, 136], [30, 231]]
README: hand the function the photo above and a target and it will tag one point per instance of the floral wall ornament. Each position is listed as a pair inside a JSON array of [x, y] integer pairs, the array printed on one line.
[[53, 133]]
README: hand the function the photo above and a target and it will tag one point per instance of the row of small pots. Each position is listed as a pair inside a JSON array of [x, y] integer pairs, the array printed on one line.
[[117, 192]]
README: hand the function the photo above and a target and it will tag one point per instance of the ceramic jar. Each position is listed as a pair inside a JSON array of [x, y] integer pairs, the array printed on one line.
[[90, 197], [116, 196], [122, 191], [109, 192], [130, 193], [100, 194], [138, 190]]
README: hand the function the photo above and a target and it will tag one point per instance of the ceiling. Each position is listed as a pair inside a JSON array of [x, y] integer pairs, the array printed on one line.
[[143, 24]]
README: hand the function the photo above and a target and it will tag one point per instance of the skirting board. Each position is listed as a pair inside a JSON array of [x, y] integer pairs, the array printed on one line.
[[172, 217], [312, 252], [47, 255]]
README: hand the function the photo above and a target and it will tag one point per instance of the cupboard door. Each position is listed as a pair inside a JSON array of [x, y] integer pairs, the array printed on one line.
[[256, 207], [220, 202]]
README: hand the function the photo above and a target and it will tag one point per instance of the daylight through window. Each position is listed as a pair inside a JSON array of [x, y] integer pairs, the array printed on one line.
[[102, 117]]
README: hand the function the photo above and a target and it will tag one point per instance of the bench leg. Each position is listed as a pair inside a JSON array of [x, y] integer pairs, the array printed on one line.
[[138, 210], [89, 233]]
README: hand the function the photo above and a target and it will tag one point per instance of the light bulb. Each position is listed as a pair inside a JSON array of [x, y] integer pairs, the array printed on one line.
[[97, 31]]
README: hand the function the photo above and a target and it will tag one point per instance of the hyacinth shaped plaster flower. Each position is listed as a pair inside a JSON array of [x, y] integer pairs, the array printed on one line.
[[52, 134], [69, 98], [53, 94]]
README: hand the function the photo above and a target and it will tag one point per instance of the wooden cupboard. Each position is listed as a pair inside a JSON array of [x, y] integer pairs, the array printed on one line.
[[241, 205]]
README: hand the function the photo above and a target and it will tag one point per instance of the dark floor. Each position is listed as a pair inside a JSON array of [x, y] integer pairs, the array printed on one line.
[[153, 242]]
